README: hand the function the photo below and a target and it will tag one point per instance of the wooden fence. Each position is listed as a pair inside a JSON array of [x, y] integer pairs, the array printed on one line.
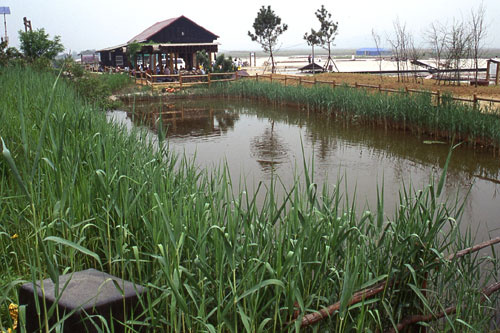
[[181, 80]]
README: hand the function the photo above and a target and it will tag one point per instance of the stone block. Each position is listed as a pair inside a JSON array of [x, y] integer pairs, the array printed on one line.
[[83, 296]]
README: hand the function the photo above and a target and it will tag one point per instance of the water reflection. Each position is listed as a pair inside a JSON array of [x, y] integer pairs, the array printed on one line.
[[269, 149], [181, 121], [260, 141]]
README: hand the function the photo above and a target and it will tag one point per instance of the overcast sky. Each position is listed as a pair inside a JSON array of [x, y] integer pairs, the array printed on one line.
[[93, 24]]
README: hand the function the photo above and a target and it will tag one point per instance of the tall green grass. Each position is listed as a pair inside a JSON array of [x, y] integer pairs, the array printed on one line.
[[83, 193], [416, 112]]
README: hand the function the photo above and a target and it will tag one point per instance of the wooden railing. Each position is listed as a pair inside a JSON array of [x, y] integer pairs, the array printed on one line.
[[181, 80]]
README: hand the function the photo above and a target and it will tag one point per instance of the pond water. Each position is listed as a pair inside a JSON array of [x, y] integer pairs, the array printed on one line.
[[259, 141]]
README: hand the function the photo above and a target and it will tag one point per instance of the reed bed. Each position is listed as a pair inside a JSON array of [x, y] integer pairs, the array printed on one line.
[[77, 192], [419, 113]]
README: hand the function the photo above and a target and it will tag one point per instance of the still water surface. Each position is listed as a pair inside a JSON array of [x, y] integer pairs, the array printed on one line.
[[259, 141]]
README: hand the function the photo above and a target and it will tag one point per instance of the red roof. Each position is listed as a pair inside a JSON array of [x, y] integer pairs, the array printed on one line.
[[158, 26]]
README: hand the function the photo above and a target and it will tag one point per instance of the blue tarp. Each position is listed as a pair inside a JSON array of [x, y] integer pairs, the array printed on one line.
[[372, 51], [4, 10]]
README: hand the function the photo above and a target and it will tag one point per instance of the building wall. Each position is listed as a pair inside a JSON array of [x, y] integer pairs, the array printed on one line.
[[183, 31], [114, 58]]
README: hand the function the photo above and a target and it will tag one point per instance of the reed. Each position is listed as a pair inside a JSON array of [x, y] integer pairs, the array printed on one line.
[[81, 193], [419, 113]]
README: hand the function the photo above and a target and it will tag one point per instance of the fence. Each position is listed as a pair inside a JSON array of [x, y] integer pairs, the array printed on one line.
[[182, 80]]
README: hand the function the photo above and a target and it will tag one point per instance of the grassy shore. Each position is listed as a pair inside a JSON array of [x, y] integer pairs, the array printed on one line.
[[417, 113], [77, 192]]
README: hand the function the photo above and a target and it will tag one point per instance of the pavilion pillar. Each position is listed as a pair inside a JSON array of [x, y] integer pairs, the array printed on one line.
[[171, 62], [498, 72], [176, 56], [488, 63], [151, 63]]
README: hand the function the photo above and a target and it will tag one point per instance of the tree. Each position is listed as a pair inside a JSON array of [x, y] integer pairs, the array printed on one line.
[[9, 55], [267, 28], [325, 36], [203, 59], [478, 34], [436, 37], [36, 44], [457, 46], [132, 50], [376, 40]]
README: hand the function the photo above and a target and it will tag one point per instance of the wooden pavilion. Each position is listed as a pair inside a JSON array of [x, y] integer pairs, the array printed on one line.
[[165, 42]]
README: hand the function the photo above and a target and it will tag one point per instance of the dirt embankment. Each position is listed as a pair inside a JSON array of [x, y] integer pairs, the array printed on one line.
[[464, 90]]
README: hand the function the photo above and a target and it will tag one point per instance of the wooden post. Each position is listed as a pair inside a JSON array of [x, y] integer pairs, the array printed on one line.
[[379, 87], [406, 90], [209, 82], [236, 76], [498, 72], [151, 63], [300, 80], [256, 77], [488, 70], [271, 77], [333, 84], [171, 63], [314, 80], [250, 59], [475, 101], [285, 80], [438, 97], [356, 85], [180, 81]]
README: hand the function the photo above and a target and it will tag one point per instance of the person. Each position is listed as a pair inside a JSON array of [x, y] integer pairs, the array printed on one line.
[[158, 69], [309, 58], [166, 71]]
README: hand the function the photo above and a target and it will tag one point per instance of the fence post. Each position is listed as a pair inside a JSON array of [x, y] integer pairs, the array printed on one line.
[[315, 80], [406, 90], [256, 77], [379, 87], [356, 85], [209, 80], [475, 101], [333, 84], [180, 81], [300, 80], [271, 77], [285, 80], [438, 98], [236, 76]]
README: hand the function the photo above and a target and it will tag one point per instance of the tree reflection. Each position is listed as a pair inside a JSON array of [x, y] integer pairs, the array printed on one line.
[[268, 149]]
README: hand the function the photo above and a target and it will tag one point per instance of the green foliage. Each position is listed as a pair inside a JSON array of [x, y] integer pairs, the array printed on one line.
[[213, 259], [327, 32], [9, 55], [267, 28], [36, 44], [132, 50], [223, 64], [203, 59], [97, 88]]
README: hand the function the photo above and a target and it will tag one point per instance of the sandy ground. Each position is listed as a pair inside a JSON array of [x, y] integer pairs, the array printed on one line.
[[289, 66]]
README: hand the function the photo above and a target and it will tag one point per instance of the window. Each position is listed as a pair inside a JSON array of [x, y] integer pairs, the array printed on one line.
[[119, 60]]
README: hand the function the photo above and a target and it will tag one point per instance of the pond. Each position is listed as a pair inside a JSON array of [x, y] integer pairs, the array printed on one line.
[[259, 142]]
